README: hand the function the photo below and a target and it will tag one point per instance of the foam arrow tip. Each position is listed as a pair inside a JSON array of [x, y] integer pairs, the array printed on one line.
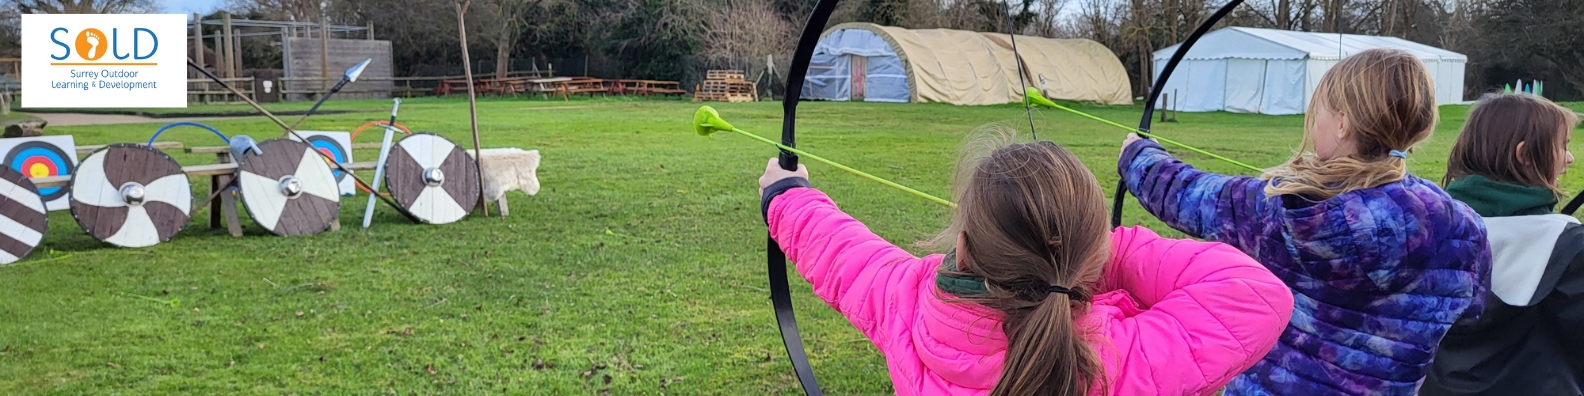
[[1037, 99], [706, 121]]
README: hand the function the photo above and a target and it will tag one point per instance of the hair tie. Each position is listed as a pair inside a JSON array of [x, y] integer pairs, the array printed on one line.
[[1058, 289], [1399, 154]]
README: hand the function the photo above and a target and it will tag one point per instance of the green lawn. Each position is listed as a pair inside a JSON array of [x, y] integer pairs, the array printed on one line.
[[638, 269]]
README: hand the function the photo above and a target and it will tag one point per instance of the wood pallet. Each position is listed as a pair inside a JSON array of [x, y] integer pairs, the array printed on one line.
[[725, 75], [726, 91]]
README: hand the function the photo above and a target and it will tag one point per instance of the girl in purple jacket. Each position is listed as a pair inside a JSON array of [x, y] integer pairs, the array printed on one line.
[[1382, 262]]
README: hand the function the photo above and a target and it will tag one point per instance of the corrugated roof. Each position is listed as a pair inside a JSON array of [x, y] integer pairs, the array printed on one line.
[[1256, 43]]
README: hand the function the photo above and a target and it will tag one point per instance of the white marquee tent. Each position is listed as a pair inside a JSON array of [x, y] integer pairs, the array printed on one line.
[[1267, 71]]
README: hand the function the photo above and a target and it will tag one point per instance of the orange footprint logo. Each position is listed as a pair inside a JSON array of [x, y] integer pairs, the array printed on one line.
[[91, 44]]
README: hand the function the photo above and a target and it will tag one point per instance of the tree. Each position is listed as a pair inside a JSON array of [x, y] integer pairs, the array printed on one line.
[[885, 12], [742, 32], [83, 6], [659, 39], [1534, 39]]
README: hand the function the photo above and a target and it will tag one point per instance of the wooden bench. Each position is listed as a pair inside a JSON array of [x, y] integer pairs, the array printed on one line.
[[195, 170], [81, 150]]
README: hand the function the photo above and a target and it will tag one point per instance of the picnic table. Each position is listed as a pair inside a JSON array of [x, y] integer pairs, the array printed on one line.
[[503, 86], [447, 87], [656, 87], [581, 85], [646, 87], [545, 86]]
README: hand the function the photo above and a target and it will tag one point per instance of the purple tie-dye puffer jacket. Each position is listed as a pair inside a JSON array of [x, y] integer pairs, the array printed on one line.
[[1378, 274]]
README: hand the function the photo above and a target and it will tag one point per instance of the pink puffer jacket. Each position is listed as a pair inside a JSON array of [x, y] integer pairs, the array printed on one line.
[[1181, 317]]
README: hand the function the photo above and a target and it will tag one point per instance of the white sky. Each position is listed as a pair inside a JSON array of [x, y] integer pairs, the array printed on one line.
[[189, 6]]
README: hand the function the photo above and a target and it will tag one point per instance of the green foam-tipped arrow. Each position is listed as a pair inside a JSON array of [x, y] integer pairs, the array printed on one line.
[[1037, 99], [707, 121]]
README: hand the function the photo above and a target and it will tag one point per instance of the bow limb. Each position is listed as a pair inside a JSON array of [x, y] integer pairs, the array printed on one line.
[[1573, 205], [780, 292], [1155, 93]]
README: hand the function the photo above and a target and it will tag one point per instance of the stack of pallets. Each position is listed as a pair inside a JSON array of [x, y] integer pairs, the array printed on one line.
[[725, 86]]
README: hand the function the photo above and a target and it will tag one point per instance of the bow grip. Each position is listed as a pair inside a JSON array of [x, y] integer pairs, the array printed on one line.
[[789, 161]]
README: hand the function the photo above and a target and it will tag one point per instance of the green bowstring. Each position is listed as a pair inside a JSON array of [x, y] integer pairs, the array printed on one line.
[[833, 164], [1148, 135]]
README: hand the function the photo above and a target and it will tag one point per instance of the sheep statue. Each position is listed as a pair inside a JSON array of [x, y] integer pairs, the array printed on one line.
[[507, 169]]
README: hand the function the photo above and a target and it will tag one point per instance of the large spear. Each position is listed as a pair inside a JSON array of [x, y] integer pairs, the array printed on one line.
[[346, 78], [293, 132]]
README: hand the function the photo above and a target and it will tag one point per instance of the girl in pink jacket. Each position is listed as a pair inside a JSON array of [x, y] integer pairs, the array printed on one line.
[[1036, 298]]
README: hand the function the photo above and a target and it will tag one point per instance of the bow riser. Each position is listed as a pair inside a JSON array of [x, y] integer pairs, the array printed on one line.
[[1158, 88]]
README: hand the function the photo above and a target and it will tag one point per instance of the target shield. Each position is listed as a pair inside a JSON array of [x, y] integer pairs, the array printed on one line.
[[130, 195], [432, 178], [42, 157], [337, 146], [23, 219], [289, 190]]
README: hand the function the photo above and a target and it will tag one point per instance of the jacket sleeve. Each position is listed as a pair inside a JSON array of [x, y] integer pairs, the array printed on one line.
[[1201, 204], [1565, 304], [868, 280], [1208, 313]]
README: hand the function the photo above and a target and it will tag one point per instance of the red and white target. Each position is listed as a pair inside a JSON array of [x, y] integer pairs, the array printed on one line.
[[43, 156]]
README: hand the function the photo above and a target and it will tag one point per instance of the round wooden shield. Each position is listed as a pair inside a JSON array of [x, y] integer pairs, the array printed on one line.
[[23, 219], [130, 195], [289, 189], [433, 178]]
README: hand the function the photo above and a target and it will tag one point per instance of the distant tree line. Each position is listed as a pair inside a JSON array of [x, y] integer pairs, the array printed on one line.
[[1505, 40]]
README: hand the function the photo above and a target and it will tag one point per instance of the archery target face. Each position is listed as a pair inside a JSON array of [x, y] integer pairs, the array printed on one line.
[[337, 145], [43, 156]]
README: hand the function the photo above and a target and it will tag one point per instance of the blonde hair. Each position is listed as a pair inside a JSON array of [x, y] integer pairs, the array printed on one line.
[[1389, 102]]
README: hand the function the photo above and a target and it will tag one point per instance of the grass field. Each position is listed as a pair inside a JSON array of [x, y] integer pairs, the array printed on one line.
[[638, 269]]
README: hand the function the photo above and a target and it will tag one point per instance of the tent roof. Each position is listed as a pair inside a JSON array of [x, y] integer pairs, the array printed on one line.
[[1256, 43], [964, 67]]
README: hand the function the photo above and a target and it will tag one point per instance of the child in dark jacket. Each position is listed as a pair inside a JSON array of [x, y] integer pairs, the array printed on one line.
[[1530, 339], [1382, 263]]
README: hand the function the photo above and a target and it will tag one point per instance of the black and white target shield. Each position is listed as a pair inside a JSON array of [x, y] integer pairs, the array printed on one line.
[[289, 189], [433, 178], [23, 219], [130, 195]]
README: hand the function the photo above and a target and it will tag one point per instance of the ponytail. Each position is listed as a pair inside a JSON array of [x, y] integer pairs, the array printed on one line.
[[1031, 225], [1317, 179], [1046, 353], [1389, 102]]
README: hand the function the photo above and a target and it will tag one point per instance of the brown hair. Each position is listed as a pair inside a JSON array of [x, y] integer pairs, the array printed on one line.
[[1389, 102], [1489, 142], [1031, 216]]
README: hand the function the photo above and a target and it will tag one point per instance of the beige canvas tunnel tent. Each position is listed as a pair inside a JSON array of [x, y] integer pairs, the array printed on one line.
[[869, 62]]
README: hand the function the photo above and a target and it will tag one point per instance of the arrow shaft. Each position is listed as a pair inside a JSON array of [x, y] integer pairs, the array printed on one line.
[[833, 164], [1158, 137]]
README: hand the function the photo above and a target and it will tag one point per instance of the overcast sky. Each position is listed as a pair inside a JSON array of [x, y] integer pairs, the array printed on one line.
[[189, 6]]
